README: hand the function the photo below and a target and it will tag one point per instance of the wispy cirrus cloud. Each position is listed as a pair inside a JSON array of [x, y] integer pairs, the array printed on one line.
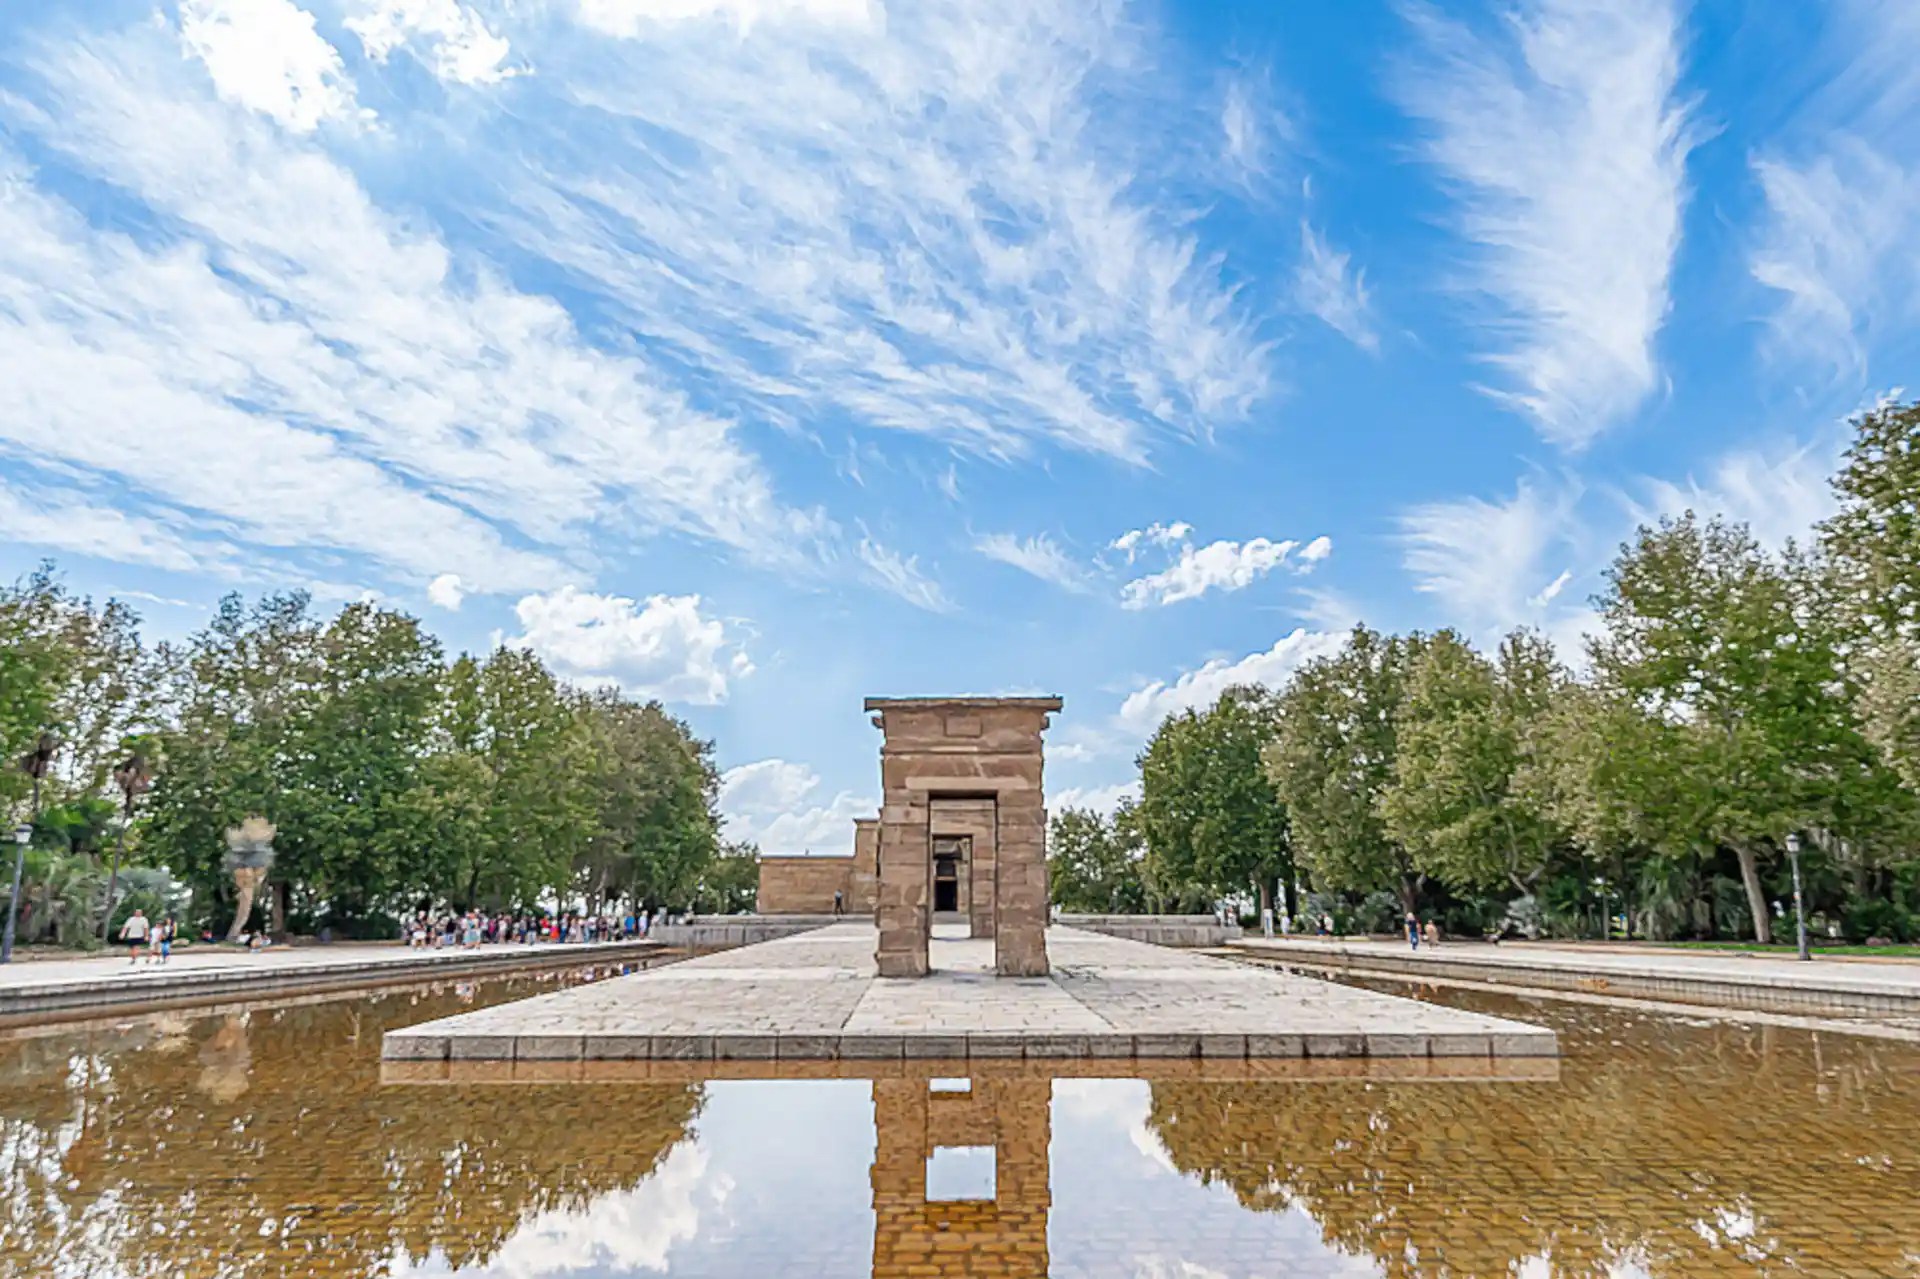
[[1565, 138], [312, 374], [920, 224], [1327, 285], [1039, 556], [899, 574], [1487, 562], [1840, 239]]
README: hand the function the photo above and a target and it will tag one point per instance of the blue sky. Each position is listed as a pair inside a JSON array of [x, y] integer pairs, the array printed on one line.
[[762, 355]]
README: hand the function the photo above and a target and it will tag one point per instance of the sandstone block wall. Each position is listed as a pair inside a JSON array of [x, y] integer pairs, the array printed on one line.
[[864, 888], [937, 751], [805, 885]]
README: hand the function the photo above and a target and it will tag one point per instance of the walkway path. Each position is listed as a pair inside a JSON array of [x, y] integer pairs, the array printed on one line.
[[108, 983], [1819, 987], [815, 997]]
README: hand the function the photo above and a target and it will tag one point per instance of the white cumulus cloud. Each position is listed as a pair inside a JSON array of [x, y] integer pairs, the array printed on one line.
[[1101, 799], [455, 40], [664, 648], [1566, 142], [1145, 707], [771, 803], [1133, 541], [447, 591], [1221, 566], [267, 55]]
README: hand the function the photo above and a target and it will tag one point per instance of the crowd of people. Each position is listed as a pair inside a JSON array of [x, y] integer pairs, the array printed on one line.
[[474, 929]]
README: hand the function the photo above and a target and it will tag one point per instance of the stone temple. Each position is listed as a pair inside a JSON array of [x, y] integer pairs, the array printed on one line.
[[961, 836]]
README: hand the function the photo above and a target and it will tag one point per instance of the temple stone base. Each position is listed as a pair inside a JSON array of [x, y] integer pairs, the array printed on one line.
[[818, 997]]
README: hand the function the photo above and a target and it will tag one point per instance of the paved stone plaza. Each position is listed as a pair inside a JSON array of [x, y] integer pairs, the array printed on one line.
[[817, 997]]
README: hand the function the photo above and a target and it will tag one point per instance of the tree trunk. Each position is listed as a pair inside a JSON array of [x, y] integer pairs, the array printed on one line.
[[278, 928], [1756, 897]]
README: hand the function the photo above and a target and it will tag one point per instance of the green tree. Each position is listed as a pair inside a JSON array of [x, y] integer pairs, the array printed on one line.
[[1465, 727], [729, 883], [521, 730], [1208, 809], [653, 790], [234, 694], [1721, 649], [1334, 757], [1094, 864], [355, 739]]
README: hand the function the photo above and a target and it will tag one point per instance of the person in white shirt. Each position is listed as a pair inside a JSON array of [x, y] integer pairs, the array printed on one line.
[[134, 933]]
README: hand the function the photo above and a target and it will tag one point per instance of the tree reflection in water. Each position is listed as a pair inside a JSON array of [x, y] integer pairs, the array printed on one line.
[[261, 1143], [1673, 1147]]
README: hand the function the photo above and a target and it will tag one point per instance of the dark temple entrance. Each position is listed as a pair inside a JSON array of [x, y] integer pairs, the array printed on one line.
[[946, 878]]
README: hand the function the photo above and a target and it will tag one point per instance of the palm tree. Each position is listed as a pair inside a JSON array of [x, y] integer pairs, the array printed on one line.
[[133, 776], [249, 858]]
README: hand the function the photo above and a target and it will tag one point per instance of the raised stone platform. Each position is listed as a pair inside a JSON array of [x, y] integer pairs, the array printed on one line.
[[816, 997]]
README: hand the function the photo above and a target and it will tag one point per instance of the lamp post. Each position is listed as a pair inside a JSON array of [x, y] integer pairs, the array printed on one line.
[[1799, 903], [33, 764]]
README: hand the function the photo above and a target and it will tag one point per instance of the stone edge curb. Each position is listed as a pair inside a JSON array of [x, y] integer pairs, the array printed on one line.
[[1828, 994], [400, 1045]]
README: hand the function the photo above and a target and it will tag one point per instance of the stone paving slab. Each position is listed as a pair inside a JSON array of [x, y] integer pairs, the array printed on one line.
[[816, 997]]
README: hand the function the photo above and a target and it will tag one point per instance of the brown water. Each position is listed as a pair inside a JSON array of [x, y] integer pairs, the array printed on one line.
[[260, 1142]]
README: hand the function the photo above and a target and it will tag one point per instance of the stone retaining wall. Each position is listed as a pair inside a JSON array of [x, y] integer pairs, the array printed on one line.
[[710, 932], [1823, 992], [187, 987], [1158, 930]]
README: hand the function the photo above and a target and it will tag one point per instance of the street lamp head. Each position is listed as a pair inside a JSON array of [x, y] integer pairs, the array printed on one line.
[[23, 834], [1793, 843]]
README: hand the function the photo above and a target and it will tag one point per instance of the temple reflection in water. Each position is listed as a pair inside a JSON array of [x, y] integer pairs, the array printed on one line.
[[261, 1143], [915, 1122]]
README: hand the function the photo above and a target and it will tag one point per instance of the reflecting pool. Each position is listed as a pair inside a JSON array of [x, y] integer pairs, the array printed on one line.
[[260, 1141]]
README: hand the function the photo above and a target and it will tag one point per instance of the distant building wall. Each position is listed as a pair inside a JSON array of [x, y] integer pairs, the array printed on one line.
[[865, 890], [805, 885]]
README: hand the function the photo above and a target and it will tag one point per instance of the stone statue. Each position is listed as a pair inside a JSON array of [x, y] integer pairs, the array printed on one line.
[[249, 858]]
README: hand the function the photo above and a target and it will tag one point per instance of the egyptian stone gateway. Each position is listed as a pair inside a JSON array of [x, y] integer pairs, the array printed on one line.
[[963, 828]]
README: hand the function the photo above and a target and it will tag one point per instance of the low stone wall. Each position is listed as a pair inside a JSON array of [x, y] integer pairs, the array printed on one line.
[[143, 990], [1823, 990], [1157, 930], [710, 932]]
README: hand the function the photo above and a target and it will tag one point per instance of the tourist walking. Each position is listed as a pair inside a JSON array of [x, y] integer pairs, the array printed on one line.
[[167, 929], [1433, 934], [135, 932], [1413, 931], [839, 904]]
